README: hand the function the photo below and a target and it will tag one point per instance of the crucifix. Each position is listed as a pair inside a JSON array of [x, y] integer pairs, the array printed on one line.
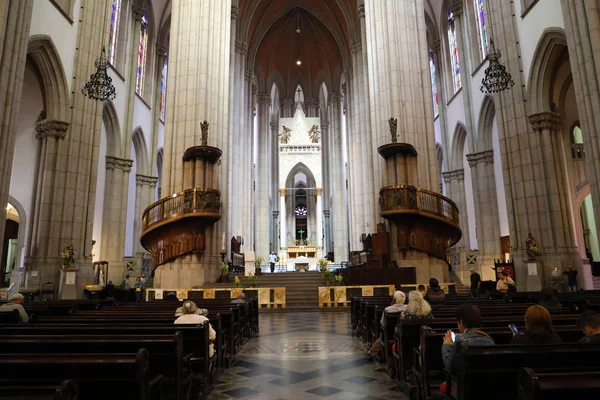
[[301, 232]]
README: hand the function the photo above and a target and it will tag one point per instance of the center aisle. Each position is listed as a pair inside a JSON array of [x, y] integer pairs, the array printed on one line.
[[308, 355]]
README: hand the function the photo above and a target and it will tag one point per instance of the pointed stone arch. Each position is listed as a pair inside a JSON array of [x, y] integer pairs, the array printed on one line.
[[300, 167], [487, 114], [113, 130], [42, 54], [141, 152], [551, 46], [458, 146]]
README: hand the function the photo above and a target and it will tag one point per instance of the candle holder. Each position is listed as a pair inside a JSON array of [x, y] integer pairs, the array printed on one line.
[[223, 254]]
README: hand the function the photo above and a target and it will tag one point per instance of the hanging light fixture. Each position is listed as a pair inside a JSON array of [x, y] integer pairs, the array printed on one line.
[[298, 20], [496, 79], [99, 87]]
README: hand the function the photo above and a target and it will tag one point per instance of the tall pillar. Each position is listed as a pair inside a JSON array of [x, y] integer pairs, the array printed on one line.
[[312, 106], [161, 56], [486, 211], [282, 217], [15, 19], [145, 189], [442, 106], [340, 233], [327, 246], [582, 24], [455, 187], [319, 217], [261, 245], [274, 178], [246, 157], [198, 91]]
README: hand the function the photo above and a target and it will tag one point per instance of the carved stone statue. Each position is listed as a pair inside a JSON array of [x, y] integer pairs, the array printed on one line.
[[285, 135], [394, 129], [204, 128], [531, 247], [314, 134]]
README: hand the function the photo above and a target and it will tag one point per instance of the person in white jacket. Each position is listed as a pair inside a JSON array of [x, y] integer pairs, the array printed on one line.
[[397, 305], [191, 314], [16, 303]]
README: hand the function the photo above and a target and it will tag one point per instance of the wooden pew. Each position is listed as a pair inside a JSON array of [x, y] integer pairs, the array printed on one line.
[[9, 317], [166, 352], [97, 375], [559, 385], [482, 369], [66, 390]]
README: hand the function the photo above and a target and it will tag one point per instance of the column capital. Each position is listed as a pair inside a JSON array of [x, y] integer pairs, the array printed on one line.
[[51, 128], [248, 75], [324, 126], [241, 47], [274, 125], [327, 213], [436, 45], [161, 49], [123, 164], [234, 12], [319, 192], [263, 98], [458, 174], [145, 180], [457, 8], [349, 74], [356, 47], [137, 13], [335, 97], [547, 120], [361, 11], [286, 102], [484, 157], [313, 101], [282, 192], [275, 214]]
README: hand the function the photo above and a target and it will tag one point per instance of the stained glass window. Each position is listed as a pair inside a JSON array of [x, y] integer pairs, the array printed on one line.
[[434, 90], [481, 27], [115, 15], [142, 52], [453, 46], [163, 90]]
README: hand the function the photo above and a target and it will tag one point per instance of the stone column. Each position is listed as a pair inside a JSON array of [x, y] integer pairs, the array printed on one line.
[[442, 106], [145, 189], [275, 230], [273, 156], [326, 162], [161, 56], [340, 233], [246, 157], [282, 214], [455, 188], [15, 19], [114, 217], [319, 217], [312, 106], [198, 91], [486, 211], [327, 245], [261, 245], [582, 24]]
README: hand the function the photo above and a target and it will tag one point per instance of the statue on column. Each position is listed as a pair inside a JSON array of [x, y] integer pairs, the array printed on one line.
[[394, 129], [285, 135], [204, 128], [531, 247]]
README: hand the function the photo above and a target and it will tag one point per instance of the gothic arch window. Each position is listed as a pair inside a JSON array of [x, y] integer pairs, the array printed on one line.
[[142, 54], [481, 22], [453, 48], [113, 38], [577, 150], [434, 86], [163, 90]]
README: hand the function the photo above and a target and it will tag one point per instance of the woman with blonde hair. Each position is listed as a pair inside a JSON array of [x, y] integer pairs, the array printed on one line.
[[538, 328], [418, 307]]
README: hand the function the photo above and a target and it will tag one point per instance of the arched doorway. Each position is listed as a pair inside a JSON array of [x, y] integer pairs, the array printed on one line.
[[10, 246]]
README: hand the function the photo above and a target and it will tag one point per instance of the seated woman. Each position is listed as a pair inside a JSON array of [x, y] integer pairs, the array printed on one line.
[[397, 305], [538, 325], [418, 307], [191, 314]]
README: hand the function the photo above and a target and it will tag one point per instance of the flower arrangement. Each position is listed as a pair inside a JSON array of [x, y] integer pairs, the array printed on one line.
[[339, 280], [257, 263], [224, 268], [327, 276], [251, 280], [68, 256], [323, 264], [237, 282]]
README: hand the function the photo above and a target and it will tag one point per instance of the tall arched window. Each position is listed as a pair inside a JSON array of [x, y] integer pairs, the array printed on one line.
[[434, 89], [163, 90], [453, 47], [113, 38], [481, 27], [142, 52], [577, 150]]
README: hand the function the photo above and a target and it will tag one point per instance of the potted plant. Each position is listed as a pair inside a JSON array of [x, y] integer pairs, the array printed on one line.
[[307, 242], [327, 277], [339, 280], [252, 280], [257, 263], [237, 282], [68, 257], [323, 264], [224, 273]]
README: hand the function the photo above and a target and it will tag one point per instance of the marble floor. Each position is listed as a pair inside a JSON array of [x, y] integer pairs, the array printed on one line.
[[305, 356]]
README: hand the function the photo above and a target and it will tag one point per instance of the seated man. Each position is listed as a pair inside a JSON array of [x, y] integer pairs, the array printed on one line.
[[468, 317], [504, 283], [16, 303], [191, 314], [421, 289], [589, 323], [240, 299], [435, 294]]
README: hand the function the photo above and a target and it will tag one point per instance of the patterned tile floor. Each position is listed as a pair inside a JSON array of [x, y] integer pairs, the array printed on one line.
[[305, 356]]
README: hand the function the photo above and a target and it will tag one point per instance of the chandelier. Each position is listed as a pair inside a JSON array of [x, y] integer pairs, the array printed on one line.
[[99, 87], [496, 79]]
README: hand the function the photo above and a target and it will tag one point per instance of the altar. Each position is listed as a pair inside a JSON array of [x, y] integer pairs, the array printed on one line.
[[301, 251]]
